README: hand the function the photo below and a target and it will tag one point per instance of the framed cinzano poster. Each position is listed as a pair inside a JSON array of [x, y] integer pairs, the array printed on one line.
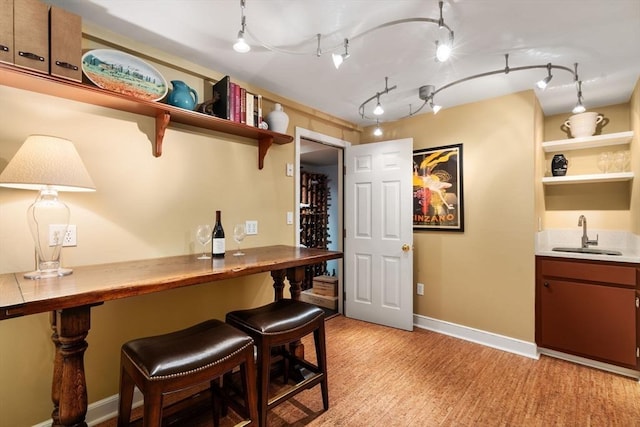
[[437, 189]]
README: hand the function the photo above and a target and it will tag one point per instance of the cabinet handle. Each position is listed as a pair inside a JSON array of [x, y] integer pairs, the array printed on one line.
[[546, 284], [30, 55], [4, 48], [67, 65]]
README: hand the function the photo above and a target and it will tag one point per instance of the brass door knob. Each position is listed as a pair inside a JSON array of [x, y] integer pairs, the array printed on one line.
[[406, 248]]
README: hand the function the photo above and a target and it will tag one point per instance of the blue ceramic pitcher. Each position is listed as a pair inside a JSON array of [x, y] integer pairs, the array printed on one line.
[[182, 96]]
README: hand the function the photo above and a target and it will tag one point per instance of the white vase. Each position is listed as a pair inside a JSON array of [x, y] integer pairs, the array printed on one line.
[[278, 119]]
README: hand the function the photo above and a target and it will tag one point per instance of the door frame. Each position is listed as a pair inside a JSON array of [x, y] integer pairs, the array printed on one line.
[[341, 145]]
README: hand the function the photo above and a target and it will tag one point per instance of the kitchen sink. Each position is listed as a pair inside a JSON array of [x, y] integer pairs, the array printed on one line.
[[588, 251]]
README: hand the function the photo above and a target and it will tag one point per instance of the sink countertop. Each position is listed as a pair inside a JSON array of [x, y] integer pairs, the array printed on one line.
[[623, 241]]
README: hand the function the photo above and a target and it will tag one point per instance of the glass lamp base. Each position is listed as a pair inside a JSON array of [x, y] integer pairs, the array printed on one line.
[[45, 274]]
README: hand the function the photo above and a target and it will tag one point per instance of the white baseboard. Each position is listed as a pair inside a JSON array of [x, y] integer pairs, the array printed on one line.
[[500, 342], [102, 410], [512, 345]]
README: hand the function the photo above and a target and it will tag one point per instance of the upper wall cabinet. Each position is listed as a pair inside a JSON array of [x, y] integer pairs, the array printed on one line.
[[612, 139], [164, 114]]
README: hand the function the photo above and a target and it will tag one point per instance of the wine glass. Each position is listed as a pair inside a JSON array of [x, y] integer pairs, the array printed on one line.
[[203, 234], [239, 234], [604, 162]]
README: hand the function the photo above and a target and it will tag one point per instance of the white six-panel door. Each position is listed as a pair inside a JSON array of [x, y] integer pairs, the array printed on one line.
[[379, 233]]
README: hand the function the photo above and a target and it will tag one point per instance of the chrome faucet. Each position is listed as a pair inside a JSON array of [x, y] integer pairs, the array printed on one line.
[[582, 222]]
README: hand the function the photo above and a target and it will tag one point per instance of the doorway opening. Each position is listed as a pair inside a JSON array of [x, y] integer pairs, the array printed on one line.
[[319, 219]]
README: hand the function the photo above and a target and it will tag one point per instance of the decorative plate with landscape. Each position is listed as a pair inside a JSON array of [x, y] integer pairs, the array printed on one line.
[[123, 73]]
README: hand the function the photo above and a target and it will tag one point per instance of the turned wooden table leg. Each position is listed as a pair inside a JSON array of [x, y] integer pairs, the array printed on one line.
[[295, 275], [69, 388], [278, 284]]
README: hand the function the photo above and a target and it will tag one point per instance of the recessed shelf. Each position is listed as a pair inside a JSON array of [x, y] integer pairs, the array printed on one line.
[[588, 179], [162, 113], [618, 138]]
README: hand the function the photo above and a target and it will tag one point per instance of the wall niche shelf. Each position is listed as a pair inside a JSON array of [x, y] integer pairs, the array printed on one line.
[[164, 114], [588, 179], [618, 138]]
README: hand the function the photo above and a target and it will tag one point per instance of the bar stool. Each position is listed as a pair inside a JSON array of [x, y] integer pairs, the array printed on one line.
[[273, 326], [164, 364]]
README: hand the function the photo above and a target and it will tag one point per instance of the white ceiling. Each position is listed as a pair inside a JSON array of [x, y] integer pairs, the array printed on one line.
[[603, 37]]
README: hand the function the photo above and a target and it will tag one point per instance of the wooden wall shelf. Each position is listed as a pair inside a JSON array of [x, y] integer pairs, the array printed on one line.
[[164, 114]]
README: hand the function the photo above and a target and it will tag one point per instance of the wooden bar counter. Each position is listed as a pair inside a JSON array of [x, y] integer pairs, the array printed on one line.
[[70, 298]]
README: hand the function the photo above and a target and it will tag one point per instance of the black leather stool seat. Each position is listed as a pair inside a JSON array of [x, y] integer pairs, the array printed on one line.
[[276, 325], [281, 316], [163, 364]]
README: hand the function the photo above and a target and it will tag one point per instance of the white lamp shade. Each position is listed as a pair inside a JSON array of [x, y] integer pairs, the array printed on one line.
[[47, 161]]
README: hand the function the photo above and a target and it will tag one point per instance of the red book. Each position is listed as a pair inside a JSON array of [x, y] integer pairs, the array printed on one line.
[[232, 101], [243, 105], [237, 104]]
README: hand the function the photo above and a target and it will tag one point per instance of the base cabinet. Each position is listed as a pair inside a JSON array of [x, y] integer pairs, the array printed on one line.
[[588, 309]]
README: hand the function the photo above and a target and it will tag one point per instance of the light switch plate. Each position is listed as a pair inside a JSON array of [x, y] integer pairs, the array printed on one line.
[[289, 218], [289, 169], [251, 227]]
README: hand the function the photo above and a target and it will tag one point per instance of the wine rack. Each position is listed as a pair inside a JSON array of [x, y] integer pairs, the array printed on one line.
[[314, 219]]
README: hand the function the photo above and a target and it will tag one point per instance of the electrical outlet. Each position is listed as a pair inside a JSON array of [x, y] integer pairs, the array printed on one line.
[[251, 228], [55, 234], [420, 288]]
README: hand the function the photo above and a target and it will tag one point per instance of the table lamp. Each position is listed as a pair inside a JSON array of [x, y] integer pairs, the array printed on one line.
[[48, 164]]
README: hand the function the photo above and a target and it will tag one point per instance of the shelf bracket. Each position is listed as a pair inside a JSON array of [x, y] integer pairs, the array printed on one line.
[[162, 121], [263, 146]]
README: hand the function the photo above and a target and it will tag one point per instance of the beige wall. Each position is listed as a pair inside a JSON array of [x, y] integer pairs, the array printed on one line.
[[482, 278], [144, 207]]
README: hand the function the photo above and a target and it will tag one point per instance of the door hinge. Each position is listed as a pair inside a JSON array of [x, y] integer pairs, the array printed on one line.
[[637, 352], [637, 302]]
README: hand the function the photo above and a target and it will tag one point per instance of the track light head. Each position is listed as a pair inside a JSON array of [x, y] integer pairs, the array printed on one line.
[[443, 51], [378, 110], [542, 84], [434, 107], [241, 45], [338, 59], [377, 131], [579, 108]]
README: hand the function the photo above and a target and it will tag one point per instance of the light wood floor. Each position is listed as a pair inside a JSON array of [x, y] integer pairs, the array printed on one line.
[[385, 377]]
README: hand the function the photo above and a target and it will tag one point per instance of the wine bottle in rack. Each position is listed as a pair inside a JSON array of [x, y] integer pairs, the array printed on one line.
[[217, 248]]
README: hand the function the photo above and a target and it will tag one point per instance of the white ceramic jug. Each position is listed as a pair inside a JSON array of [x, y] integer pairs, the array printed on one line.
[[583, 124]]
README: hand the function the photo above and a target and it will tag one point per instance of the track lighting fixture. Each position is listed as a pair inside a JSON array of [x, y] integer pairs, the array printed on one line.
[[241, 45], [542, 84], [377, 131], [338, 59], [428, 92], [378, 110], [443, 47]]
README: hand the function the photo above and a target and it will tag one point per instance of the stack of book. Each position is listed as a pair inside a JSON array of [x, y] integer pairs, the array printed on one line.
[[235, 103]]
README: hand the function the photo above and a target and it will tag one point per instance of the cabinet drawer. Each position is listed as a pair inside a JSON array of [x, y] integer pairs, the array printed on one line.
[[66, 44], [6, 31], [590, 272], [31, 35]]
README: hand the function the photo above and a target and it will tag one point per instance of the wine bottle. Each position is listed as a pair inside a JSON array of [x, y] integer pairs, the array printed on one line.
[[217, 248]]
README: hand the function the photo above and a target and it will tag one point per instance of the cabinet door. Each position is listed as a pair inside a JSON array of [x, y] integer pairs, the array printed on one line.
[[31, 34], [592, 321], [6, 31], [66, 44]]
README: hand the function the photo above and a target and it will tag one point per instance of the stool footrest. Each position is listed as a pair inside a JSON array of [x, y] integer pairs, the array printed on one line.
[[316, 378]]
